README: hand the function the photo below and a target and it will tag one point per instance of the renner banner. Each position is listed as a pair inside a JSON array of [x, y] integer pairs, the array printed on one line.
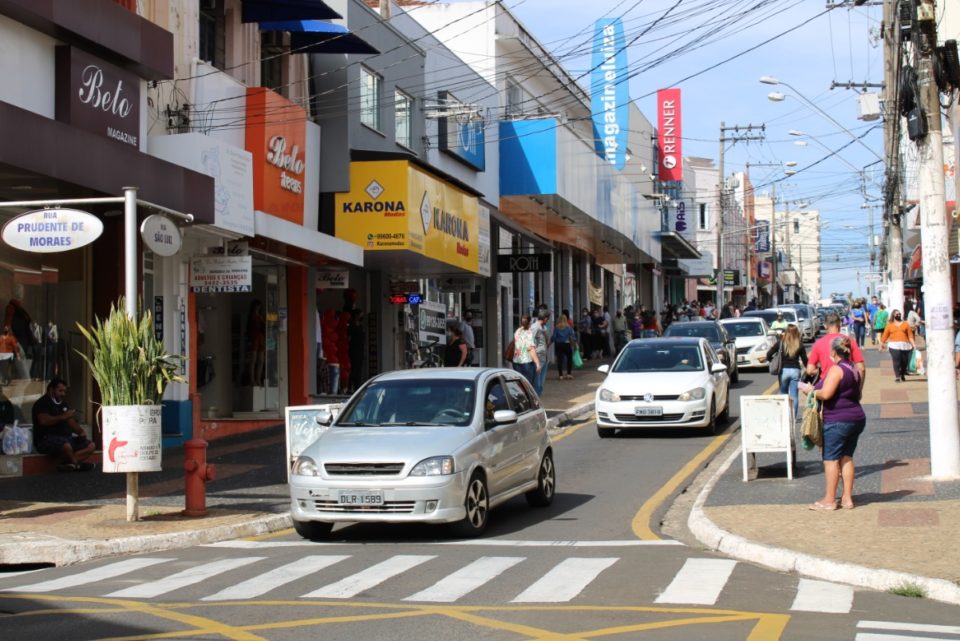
[[668, 134], [609, 92]]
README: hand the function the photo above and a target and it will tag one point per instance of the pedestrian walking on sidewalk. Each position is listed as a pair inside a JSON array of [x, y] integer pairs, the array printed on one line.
[[525, 359], [879, 322], [564, 339], [793, 358], [619, 332], [541, 340], [858, 317], [456, 351], [843, 422], [820, 352], [898, 337], [873, 308]]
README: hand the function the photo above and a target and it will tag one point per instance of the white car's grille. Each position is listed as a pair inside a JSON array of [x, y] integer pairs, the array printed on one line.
[[363, 469], [388, 507]]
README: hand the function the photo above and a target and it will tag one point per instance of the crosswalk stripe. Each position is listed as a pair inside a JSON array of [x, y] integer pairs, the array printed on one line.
[[565, 581], [909, 627], [371, 577], [91, 576], [870, 636], [822, 596], [182, 579], [466, 579], [275, 578], [699, 582]]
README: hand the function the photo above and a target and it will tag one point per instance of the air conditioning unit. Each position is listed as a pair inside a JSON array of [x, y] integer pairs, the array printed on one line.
[[869, 106]]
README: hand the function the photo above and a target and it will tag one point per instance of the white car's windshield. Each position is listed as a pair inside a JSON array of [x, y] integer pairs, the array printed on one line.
[[659, 358], [411, 402], [741, 329]]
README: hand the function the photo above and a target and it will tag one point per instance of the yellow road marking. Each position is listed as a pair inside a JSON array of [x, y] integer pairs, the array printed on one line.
[[531, 632], [659, 625], [569, 432], [641, 520], [770, 627], [270, 535]]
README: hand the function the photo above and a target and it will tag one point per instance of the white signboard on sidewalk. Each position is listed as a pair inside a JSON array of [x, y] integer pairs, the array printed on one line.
[[766, 425], [132, 438]]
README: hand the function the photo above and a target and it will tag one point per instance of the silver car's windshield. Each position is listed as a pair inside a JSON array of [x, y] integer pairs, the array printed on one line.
[[696, 329], [741, 329], [659, 358], [411, 402]]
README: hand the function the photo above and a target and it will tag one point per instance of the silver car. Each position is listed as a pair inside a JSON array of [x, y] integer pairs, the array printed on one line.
[[426, 445]]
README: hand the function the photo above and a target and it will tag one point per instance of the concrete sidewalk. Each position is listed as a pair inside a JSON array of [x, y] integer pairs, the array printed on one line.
[[903, 529], [61, 518]]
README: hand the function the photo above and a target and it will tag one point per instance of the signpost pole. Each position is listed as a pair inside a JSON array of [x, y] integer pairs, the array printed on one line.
[[130, 293]]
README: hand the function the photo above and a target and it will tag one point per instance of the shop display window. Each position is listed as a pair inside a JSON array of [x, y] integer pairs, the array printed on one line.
[[241, 340], [42, 298]]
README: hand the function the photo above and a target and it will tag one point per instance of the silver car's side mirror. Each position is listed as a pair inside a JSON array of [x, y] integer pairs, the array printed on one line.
[[503, 417], [717, 368], [324, 417], [603, 369]]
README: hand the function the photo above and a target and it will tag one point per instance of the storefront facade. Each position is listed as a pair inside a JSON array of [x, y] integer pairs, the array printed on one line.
[[72, 126]]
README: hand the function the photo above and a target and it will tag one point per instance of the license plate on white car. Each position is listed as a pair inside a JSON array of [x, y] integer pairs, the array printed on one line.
[[360, 498], [743, 359], [648, 411]]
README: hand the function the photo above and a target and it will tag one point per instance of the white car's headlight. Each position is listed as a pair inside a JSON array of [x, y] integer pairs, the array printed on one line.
[[305, 466], [761, 347], [607, 395], [693, 395], [434, 466]]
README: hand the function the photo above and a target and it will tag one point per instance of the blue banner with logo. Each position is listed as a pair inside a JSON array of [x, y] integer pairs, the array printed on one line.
[[609, 92], [762, 245]]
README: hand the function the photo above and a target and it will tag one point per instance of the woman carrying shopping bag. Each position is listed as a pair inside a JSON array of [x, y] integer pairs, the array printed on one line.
[[564, 340]]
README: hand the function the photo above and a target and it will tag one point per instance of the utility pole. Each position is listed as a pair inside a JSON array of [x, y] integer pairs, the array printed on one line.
[[735, 137], [775, 267], [941, 383], [891, 149]]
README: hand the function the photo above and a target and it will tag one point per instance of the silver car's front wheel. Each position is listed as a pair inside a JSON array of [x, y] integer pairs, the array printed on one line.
[[477, 506]]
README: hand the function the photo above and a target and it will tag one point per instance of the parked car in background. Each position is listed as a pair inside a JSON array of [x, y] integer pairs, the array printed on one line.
[[806, 319], [753, 339], [426, 445], [663, 382], [721, 342]]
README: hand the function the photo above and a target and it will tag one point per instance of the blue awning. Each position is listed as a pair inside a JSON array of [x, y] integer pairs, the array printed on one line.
[[317, 36], [270, 10]]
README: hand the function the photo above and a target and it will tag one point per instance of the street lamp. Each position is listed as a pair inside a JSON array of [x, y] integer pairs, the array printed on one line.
[[777, 96], [802, 134]]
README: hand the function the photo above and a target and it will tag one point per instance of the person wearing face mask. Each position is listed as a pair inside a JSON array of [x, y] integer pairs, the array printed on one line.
[[525, 358], [456, 350], [898, 337]]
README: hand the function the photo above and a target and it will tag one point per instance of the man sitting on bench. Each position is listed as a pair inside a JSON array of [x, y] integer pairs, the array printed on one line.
[[57, 433]]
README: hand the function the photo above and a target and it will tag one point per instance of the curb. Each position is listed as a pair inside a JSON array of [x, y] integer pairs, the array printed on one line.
[[553, 423], [26, 549], [784, 560]]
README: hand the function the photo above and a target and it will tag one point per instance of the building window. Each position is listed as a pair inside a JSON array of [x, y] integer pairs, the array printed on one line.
[[272, 50], [370, 98], [702, 221], [796, 226], [403, 105], [514, 99], [212, 36]]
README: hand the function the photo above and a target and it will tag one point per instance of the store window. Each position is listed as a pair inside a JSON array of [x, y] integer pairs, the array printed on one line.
[[43, 298], [212, 33], [403, 105], [241, 341], [514, 106], [370, 98]]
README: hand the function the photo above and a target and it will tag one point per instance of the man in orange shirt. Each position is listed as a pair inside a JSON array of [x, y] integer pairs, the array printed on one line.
[[819, 355]]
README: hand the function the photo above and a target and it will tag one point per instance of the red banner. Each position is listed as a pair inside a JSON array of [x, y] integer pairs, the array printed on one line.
[[669, 135]]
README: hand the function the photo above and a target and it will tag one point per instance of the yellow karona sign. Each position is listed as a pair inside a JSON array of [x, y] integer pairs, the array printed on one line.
[[395, 205]]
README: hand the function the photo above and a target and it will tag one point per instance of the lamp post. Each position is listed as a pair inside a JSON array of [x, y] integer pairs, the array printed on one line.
[[777, 96]]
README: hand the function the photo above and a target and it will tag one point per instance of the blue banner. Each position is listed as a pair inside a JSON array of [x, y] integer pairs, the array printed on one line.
[[609, 92]]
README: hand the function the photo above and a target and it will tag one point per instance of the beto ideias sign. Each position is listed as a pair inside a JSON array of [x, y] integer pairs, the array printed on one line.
[[609, 92]]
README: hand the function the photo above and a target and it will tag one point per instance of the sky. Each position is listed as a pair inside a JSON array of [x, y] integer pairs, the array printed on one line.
[[823, 46]]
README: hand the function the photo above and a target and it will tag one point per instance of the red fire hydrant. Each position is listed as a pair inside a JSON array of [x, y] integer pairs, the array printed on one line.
[[198, 473]]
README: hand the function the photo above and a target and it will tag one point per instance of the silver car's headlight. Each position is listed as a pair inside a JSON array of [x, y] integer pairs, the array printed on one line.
[[305, 466], [434, 466], [695, 394], [607, 395]]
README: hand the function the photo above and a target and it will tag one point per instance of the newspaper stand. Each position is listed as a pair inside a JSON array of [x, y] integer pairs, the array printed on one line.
[[767, 425]]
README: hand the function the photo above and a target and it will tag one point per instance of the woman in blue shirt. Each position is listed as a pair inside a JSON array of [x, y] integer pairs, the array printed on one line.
[[858, 316], [564, 339]]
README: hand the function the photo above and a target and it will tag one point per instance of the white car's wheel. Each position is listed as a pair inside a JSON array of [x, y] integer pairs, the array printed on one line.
[[313, 530]]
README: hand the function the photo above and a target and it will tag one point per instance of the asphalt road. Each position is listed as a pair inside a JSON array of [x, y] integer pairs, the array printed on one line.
[[594, 565]]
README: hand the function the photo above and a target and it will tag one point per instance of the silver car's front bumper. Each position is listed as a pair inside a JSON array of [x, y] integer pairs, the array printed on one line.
[[427, 499], [675, 414]]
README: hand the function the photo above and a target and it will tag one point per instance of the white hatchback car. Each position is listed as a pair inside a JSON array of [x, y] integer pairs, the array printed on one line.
[[428, 446], [752, 335], [663, 382]]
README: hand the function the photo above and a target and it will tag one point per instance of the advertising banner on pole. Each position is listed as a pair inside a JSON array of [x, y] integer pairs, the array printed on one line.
[[609, 92], [669, 132]]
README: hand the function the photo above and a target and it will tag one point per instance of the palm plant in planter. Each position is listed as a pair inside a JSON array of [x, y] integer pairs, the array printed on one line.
[[132, 369]]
